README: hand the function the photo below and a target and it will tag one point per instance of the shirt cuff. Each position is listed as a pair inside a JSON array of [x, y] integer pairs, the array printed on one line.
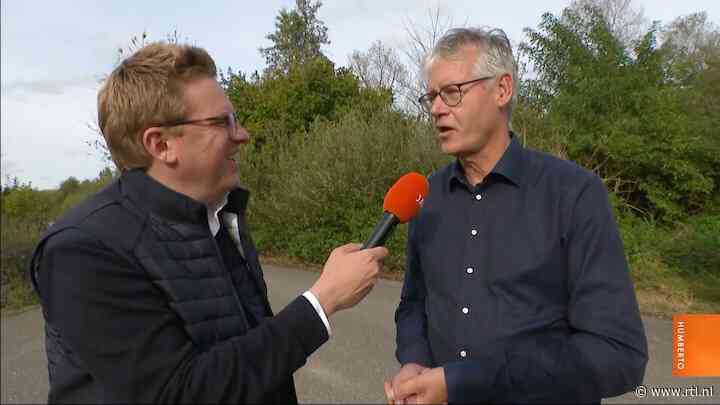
[[318, 308]]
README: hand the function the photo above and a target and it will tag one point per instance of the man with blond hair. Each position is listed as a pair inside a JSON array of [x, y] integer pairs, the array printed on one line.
[[516, 289], [151, 289]]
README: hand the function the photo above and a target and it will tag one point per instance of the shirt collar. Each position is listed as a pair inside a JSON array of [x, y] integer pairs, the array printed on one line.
[[509, 166], [212, 215], [223, 213]]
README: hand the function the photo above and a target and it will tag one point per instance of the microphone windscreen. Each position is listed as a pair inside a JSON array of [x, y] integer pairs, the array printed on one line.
[[406, 196]]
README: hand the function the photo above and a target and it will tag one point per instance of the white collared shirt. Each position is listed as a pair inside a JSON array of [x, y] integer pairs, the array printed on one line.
[[230, 220]]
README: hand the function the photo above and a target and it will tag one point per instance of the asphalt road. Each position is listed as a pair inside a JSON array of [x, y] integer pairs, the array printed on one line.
[[350, 368]]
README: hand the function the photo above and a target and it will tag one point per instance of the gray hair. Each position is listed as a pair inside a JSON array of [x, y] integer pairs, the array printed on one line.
[[495, 56]]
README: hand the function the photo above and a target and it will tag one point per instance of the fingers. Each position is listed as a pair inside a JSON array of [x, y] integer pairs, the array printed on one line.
[[378, 253], [389, 395], [407, 372], [349, 247], [365, 291], [404, 389]]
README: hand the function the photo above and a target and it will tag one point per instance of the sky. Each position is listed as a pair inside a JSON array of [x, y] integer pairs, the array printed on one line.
[[55, 54]]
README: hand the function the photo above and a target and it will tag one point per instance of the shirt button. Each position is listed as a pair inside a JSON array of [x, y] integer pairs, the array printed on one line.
[[465, 310], [463, 353], [478, 197], [469, 270], [473, 232]]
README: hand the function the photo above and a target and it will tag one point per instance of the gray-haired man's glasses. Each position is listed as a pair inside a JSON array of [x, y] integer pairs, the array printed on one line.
[[451, 94]]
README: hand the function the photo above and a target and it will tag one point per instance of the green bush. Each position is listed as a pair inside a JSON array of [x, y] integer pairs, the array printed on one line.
[[326, 188], [84, 190], [26, 214], [276, 107], [617, 112], [680, 262], [694, 247], [18, 241]]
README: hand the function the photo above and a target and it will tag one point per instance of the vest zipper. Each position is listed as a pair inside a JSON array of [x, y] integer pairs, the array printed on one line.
[[228, 277]]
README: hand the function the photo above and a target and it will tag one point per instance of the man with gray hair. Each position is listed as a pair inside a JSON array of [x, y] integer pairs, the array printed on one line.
[[516, 288]]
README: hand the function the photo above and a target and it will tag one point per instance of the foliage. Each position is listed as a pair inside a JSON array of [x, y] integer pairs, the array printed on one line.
[[26, 213], [297, 39], [420, 41], [617, 113], [276, 109], [327, 185], [28, 205], [287, 104], [676, 268], [327, 143], [622, 19], [690, 43], [380, 68]]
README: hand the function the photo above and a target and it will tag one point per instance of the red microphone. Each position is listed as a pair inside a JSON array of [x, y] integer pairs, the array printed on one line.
[[402, 203]]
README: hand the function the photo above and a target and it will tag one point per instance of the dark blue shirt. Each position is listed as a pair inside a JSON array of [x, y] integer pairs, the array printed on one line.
[[519, 287]]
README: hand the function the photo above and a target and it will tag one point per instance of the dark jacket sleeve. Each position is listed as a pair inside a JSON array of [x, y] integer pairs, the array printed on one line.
[[605, 352], [121, 328], [410, 317]]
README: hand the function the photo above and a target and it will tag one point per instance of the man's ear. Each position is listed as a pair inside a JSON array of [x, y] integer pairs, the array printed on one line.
[[505, 90], [159, 145]]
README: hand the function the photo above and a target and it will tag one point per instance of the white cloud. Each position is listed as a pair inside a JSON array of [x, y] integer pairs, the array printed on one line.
[[56, 87], [44, 134]]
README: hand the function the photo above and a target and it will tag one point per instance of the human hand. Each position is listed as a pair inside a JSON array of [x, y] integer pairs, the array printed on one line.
[[429, 387], [406, 372], [348, 276]]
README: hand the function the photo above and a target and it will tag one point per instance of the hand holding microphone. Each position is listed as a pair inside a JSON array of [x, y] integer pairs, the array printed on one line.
[[351, 270], [348, 276]]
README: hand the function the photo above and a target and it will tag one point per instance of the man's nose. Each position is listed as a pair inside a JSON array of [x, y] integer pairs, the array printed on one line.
[[438, 106], [241, 135]]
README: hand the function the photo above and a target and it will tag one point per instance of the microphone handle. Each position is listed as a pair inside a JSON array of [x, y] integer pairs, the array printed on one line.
[[381, 232]]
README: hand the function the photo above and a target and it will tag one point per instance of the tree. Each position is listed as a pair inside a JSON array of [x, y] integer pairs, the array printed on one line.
[[421, 41], [276, 107], [69, 186], [380, 68], [622, 19], [297, 39], [691, 48], [691, 44], [299, 84], [619, 115]]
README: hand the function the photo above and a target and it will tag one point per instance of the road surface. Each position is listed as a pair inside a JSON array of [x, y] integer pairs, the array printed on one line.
[[350, 368]]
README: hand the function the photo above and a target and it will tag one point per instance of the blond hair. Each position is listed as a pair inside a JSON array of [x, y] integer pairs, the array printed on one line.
[[146, 90]]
